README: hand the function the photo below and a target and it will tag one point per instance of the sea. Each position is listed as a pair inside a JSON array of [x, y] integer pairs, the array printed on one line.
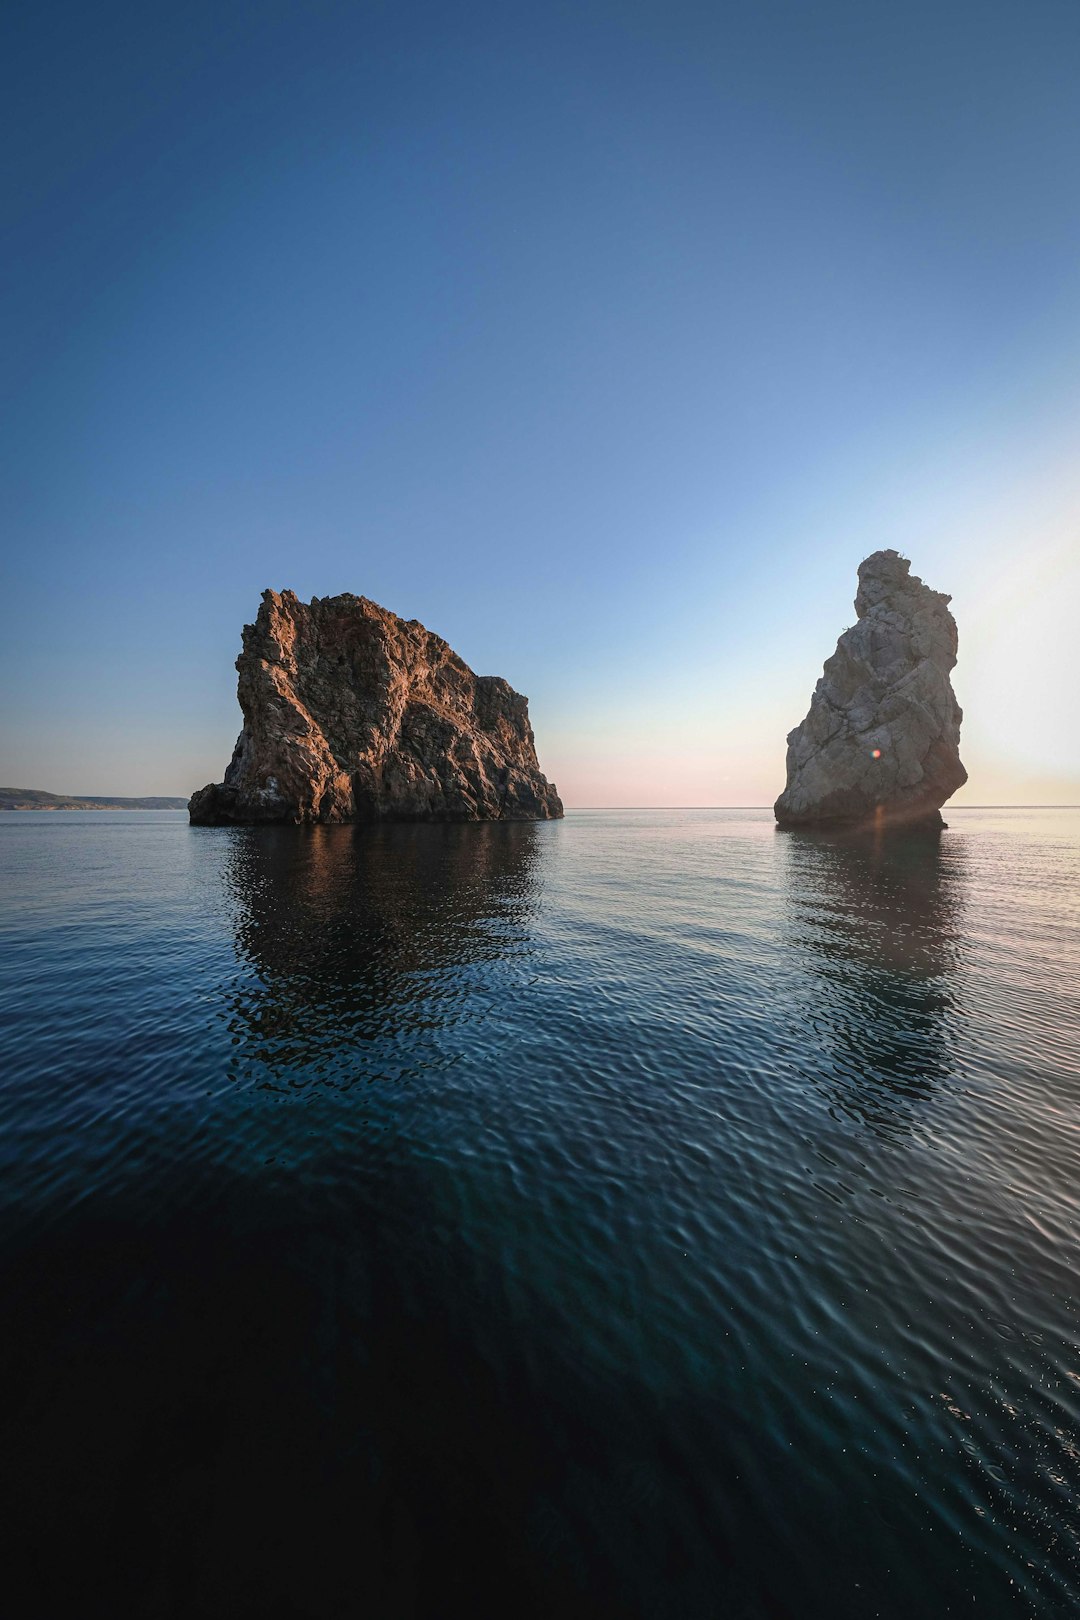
[[652, 1214]]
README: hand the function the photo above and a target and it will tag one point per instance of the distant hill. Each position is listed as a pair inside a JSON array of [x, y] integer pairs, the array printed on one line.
[[38, 799]]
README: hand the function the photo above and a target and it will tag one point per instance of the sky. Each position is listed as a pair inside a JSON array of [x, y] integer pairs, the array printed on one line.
[[604, 338]]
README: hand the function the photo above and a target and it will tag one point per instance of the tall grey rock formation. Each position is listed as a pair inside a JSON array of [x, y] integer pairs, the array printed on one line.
[[352, 714], [880, 744]]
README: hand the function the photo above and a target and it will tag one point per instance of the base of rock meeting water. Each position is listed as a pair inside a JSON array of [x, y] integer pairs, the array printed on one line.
[[913, 822]]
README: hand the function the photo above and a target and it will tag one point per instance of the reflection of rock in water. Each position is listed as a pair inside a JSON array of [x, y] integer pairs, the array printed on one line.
[[876, 917], [369, 943]]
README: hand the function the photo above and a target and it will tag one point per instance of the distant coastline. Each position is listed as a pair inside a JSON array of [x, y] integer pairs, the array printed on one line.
[[38, 799]]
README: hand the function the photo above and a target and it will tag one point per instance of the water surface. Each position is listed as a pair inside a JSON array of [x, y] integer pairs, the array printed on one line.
[[649, 1214]]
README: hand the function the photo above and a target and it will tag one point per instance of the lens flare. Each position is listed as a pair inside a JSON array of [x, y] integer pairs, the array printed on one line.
[[875, 753]]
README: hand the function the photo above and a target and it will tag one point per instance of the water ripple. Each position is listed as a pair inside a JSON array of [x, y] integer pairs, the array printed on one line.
[[650, 1214]]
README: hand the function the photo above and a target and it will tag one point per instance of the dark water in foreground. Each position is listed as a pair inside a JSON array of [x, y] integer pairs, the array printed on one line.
[[649, 1215]]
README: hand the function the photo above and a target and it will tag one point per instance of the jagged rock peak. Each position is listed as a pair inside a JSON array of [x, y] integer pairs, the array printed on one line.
[[352, 714], [881, 741]]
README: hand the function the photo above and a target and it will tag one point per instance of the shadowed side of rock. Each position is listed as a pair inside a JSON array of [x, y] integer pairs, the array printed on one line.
[[881, 742], [352, 714]]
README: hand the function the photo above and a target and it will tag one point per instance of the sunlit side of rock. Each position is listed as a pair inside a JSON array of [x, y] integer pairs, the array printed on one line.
[[352, 714]]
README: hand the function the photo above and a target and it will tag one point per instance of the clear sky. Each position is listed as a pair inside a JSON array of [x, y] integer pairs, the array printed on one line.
[[606, 339]]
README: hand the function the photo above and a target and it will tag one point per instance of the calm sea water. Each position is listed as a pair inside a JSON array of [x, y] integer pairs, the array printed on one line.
[[650, 1214]]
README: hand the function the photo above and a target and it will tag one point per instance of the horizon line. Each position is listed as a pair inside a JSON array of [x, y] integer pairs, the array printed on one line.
[[955, 808], [946, 806]]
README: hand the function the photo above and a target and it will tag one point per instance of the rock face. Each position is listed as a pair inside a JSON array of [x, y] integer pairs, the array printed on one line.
[[881, 741], [352, 714]]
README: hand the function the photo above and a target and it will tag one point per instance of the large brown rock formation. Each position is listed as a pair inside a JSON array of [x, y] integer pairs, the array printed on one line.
[[881, 743], [352, 714]]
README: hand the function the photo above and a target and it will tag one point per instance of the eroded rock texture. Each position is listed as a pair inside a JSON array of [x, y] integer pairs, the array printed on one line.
[[352, 714], [881, 741]]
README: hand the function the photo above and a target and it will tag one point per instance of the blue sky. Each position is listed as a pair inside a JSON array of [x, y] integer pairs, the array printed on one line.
[[605, 339]]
